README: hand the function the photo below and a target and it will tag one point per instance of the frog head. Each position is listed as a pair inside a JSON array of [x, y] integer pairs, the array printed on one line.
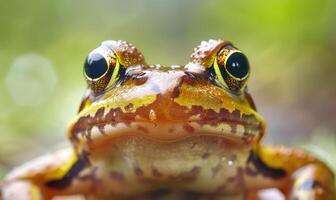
[[127, 97]]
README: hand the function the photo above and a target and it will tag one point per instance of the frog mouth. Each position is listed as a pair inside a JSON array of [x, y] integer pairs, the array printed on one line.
[[160, 118], [97, 129]]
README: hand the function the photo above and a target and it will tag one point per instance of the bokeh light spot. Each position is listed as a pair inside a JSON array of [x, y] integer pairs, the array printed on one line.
[[30, 80]]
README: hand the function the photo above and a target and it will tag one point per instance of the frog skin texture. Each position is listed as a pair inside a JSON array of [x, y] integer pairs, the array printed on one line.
[[180, 132]]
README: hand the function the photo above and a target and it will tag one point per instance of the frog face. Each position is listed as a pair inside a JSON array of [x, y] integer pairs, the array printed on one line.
[[127, 97]]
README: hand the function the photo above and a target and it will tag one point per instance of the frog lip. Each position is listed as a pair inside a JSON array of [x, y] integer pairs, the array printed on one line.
[[169, 131], [163, 119]]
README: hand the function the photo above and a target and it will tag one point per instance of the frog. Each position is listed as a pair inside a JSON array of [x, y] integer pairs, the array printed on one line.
[[147, 131]]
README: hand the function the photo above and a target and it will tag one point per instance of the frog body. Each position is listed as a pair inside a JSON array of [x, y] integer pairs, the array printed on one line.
[[149, 131]]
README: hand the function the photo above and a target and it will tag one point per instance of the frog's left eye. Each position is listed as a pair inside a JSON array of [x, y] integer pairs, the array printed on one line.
[[231, 68], [101, 68], [95, 66]]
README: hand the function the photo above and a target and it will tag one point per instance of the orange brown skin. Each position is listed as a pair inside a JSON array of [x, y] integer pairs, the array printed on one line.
[[163, 129]]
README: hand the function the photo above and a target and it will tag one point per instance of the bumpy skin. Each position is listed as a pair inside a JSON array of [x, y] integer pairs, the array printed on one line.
[[169, 132]]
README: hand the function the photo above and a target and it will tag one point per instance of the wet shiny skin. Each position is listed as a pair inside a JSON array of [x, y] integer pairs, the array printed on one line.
[[178, 128]]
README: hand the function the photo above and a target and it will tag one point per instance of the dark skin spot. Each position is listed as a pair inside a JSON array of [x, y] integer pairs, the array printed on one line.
[[87, 134], [237, 179], [101, 128], [112, 117], [189, 175], [138, 171], [188, 128], [171, 194], [233, 157], [129, 107], [233, 128], [216, 169], [156, 172], [99, 114], [117, 176], [251, 171], [176, 91], [156, 194], [205, 155], [247, 138], [193, 145], [143, 129]]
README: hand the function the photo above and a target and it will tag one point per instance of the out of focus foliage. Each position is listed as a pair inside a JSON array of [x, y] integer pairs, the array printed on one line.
[[291, 46]]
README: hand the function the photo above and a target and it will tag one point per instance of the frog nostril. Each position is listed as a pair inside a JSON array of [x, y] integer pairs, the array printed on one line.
[[140, 81]]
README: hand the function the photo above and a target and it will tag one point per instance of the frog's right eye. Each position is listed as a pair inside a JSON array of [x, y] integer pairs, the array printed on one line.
[[101, 69], [231, 68]]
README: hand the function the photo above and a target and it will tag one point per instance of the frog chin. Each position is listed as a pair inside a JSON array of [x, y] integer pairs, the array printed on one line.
[[168, 132]]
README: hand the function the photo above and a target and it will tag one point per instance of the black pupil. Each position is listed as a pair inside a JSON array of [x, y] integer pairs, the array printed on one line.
[[95, 65], [237, 65]]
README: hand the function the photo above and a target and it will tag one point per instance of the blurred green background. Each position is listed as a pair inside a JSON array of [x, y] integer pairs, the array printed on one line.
[[291, 46]]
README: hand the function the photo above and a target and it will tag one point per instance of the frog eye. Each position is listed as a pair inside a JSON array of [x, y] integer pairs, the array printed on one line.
[[231, 68], [101, 69], [95, 66]]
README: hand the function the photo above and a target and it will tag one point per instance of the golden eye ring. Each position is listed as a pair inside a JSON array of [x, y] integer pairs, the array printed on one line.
[[231, 68]]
